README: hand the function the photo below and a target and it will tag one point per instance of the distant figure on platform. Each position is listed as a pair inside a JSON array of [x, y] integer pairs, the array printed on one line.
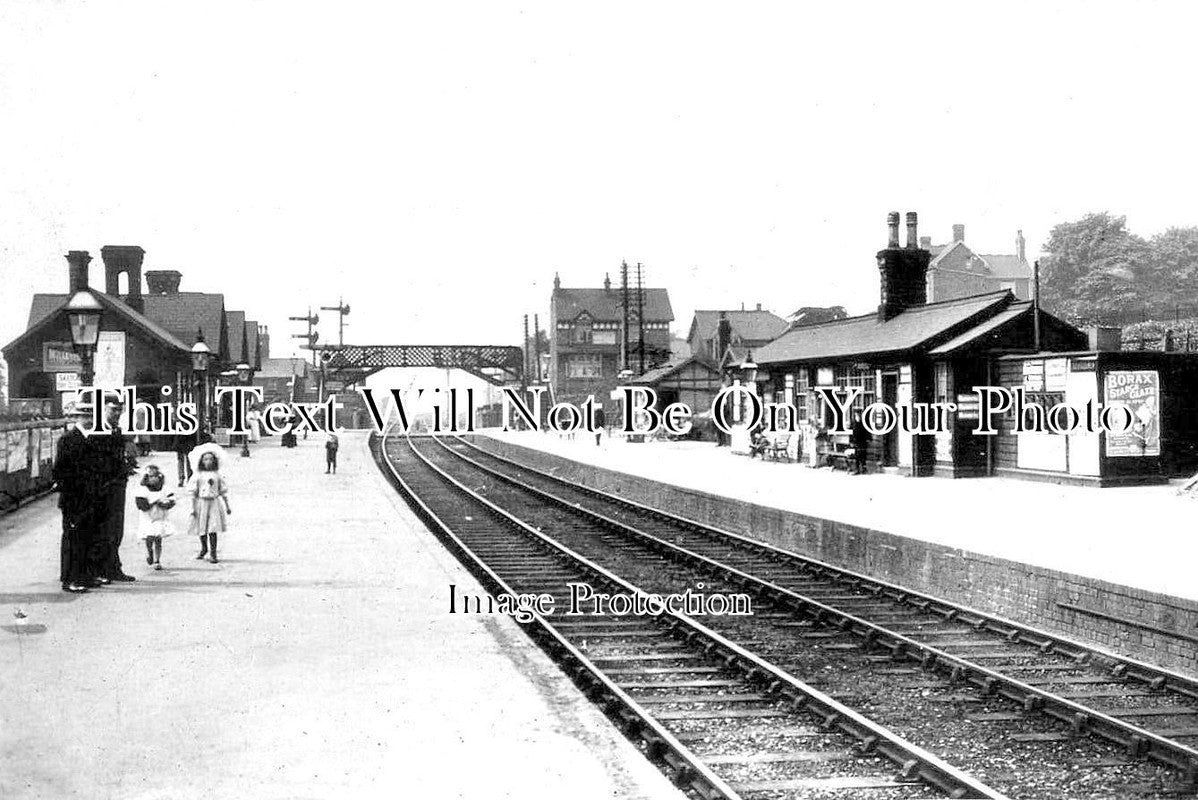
[[182, 445], [209, 501], [600, 424], [78, 497], [330, 454], [860, 438], [254, 422], [155, 504]]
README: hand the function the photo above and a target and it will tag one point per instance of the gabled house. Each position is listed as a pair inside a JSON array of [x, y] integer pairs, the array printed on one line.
[[956, 270], [746, 330], [597, 333]]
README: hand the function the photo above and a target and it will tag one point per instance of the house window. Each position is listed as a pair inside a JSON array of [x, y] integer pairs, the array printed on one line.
[[585, 366], [582, 331]]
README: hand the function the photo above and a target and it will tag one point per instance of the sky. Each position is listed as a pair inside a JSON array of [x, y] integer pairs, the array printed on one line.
[[435, 164]]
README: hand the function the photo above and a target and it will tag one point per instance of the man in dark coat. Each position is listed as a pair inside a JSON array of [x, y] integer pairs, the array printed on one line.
[[600, 423], [79, 496], [861, 437], [116, 465]]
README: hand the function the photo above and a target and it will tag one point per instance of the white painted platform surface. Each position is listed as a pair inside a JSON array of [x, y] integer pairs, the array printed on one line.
[[316, 660], [1144, 537]]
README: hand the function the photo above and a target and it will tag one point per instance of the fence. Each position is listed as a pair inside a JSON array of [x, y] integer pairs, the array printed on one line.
[[26, 459]]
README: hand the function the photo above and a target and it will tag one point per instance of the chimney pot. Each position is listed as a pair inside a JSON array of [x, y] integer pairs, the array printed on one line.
[[958, 233], [892, 222], [1020, 246], [759, 306], [163, 281], [77, 261], [912, 238]]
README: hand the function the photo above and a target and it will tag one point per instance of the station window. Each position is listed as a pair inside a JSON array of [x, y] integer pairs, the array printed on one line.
[[585, 366], [941, 380], [802, 394], [861, 377]]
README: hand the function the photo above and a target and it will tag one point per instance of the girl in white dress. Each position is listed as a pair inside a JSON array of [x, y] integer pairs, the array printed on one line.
[[209, 504], [155, 504]]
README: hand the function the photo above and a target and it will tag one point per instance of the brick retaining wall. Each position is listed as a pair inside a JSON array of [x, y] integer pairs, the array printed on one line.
[[1024, 593]]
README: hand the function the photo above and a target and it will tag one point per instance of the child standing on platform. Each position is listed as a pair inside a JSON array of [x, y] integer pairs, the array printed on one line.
[[210, 504], [330, 454], [155, 504]]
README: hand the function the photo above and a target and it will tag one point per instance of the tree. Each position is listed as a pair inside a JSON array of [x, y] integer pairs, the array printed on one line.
[[1174, 269], [1095, 269]]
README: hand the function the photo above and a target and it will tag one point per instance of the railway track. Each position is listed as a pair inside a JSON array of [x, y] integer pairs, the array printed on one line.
[[1026, 673], [722, 721]]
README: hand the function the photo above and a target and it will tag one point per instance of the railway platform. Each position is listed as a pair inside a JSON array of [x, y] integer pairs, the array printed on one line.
[[1138, 536], [1110, 566], [315, 660]]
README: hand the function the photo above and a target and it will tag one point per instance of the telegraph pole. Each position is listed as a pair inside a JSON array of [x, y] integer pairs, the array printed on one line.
[[342, 312], [640, 316]]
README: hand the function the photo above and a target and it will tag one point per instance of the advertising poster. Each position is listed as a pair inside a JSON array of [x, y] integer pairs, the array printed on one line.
[[1139, 392], [110, 360], [18, 450]]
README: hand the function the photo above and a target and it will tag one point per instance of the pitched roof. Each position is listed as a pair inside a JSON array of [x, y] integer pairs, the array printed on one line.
[[748, 325], [251, 343], [43, 312], [998, 266], [659, 374], [282, 368], [867, 335], [235, 321], [976, 332], [180, 313], [604, 304], [1008, 266]]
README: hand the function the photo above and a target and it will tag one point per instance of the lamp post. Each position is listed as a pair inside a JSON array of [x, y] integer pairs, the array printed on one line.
[[200, 356], [83, 314], [244, 373]]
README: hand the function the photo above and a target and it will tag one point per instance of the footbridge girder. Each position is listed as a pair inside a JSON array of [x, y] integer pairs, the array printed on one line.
[[498, 364]]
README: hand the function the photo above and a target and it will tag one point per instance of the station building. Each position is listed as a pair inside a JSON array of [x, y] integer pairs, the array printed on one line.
[[145, 338], [909, 351]]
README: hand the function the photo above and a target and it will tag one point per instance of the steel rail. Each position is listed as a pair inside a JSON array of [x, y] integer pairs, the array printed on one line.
[[914, 762], [1120, 666], [661, 746], [1137, 741]]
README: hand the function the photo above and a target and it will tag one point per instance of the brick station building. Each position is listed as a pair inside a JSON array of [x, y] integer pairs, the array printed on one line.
[[145, 337]]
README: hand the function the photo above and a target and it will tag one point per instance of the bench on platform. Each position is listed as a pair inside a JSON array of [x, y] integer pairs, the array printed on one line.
[[840, 453], [778, 448]]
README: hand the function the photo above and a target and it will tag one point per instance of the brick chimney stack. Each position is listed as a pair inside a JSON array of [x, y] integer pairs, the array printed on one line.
[[163, 281], [904, 270], [958, 233], [1020, 246], [77, 262], [126, 259]]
